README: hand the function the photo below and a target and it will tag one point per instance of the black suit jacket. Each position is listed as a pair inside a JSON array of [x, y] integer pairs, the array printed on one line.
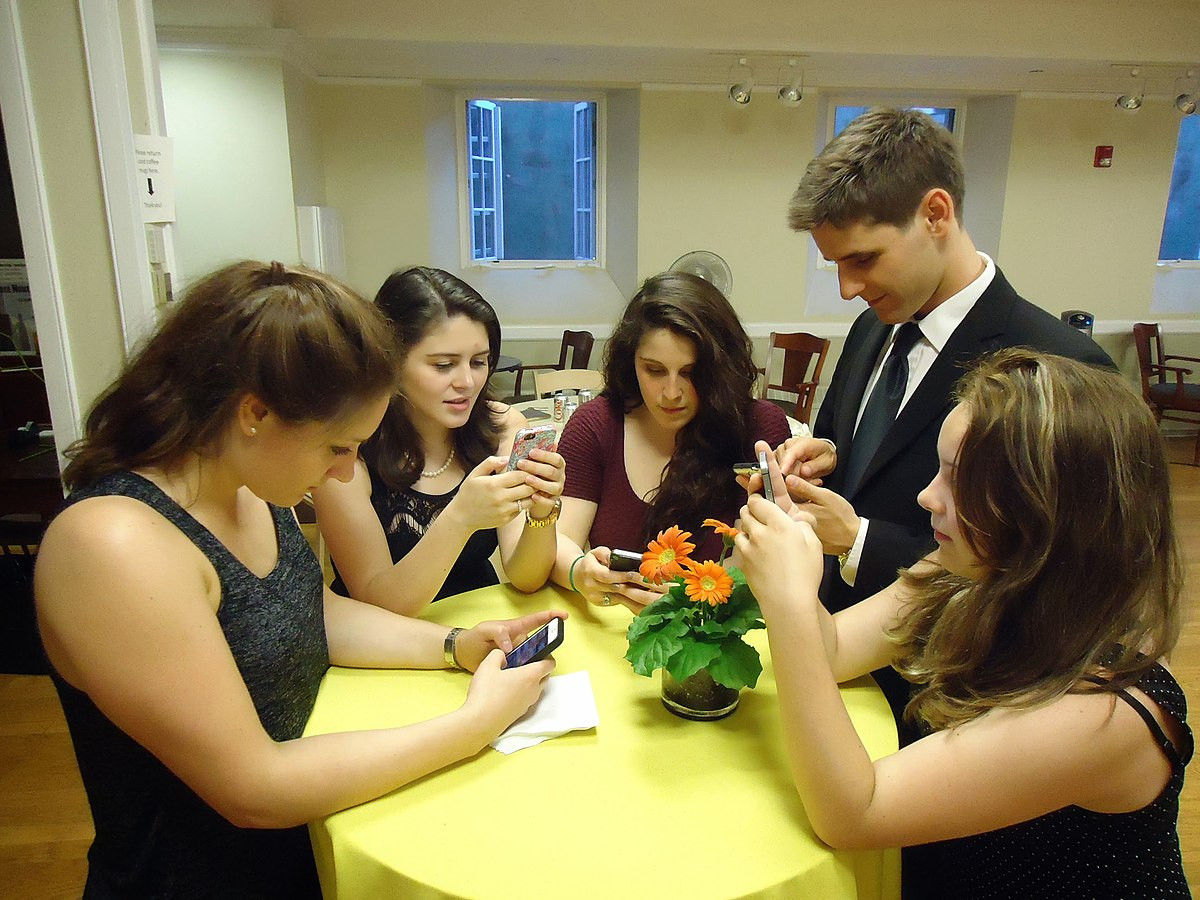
[[899, 532]]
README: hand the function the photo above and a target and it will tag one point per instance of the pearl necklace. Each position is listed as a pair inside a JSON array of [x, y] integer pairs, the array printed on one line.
[[436, 472]]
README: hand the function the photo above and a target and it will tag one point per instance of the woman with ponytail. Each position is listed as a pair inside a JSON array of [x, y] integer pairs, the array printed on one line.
[[185, 615]]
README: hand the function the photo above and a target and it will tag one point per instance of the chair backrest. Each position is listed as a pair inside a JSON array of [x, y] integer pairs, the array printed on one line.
[[580, 345], [800, 351], [567, 380], [1147, 337]]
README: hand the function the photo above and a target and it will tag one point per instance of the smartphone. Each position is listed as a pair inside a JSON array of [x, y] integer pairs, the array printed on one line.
[[768, 492], [538, 645], [625, 561], [539, 436]]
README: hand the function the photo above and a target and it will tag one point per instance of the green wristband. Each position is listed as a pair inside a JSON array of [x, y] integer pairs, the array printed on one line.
[[571, 574]]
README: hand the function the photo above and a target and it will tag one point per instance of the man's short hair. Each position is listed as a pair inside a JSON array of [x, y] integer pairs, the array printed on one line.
[[876, 172]]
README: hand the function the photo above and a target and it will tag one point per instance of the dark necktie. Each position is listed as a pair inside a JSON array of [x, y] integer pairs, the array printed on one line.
[[882, 406]]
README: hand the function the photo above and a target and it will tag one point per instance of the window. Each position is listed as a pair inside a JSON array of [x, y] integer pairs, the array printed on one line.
[[532, 180], [844, 115], [1181, 227]]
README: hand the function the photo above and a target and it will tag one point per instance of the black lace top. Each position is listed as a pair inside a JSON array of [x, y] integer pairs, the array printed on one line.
[[155, 837], [406, 516], [1072, 852]]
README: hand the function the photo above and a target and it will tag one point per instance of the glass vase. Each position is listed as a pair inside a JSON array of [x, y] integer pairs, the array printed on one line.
[[698, 696]]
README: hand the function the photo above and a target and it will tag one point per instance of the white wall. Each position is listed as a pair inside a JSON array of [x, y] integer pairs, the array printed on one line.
[[233, 190]]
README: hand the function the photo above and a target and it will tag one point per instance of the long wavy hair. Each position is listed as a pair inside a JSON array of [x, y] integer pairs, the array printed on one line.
[[1062, 491], [697, 478], [415, 301], [306, 345]]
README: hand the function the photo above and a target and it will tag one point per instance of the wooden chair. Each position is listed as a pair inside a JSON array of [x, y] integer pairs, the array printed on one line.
[[799, 351], [579, 343], [567, 380], [1167, 397]]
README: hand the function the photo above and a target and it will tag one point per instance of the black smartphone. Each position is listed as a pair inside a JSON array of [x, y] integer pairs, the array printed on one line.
[[538, 645], [625, 561]]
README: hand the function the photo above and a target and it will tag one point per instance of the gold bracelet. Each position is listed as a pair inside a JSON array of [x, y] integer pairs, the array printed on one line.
[[548, 520], [448, 648]]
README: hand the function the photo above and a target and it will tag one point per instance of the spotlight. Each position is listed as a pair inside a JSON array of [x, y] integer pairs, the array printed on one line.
[[791, 91], [1189, 93], [1132, 101], [743, 83]]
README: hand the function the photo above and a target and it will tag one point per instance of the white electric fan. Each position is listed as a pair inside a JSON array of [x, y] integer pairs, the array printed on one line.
[[706, 265]]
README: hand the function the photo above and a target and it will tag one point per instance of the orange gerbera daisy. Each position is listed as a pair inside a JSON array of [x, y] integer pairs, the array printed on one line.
[[725, 531], [707, 582], [664, 560]]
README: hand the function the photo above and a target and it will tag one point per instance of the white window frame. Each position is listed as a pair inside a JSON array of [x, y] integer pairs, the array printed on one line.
[[958, 104], [462, 151]]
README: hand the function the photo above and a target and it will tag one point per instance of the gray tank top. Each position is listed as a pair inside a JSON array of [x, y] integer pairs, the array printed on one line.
[[154, 836]]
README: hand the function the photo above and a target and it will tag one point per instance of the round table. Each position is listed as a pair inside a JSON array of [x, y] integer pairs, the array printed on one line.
[[644, 805]]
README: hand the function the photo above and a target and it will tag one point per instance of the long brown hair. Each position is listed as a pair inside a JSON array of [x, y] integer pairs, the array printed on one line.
[[306, 345], [1062, 491], [415, 301], [697, 478]]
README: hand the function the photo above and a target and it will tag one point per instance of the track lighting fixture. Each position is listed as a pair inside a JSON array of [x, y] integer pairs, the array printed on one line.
[[1131, 101], [791, 87], [743, 83], [1189, 94]]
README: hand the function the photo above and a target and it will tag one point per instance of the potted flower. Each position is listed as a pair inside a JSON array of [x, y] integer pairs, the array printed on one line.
[[693, 633]]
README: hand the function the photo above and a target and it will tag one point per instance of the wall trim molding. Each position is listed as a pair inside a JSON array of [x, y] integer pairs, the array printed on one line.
[[824, 329], [37, 235]]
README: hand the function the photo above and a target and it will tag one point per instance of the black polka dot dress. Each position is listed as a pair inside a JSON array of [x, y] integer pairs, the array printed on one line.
[[1072, 852]]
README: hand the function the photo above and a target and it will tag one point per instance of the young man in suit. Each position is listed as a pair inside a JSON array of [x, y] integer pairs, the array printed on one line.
[[883, 201]]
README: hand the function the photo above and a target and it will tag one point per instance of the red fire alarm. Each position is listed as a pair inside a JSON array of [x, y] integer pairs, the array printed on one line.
[[1103, 157]]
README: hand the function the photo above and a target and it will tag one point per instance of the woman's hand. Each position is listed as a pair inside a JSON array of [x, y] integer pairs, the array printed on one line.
[[490, 496], [474, 644], [601, 586], [498, 696], [780, 553], [545, 472]]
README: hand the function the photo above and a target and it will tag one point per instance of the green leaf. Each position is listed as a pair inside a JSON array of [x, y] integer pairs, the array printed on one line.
[[737, 665], [652, 650], [693, 656], [743, 620], [641, 623]]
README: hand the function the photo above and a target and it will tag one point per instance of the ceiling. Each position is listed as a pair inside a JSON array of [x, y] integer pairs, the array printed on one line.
[[971, 46]]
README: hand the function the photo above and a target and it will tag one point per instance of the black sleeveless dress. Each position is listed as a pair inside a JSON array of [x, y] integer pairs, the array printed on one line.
[[154, 836], [1072, 852], [406, 516]]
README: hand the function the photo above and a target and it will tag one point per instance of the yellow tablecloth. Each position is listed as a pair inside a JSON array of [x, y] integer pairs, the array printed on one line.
[[645, 805]]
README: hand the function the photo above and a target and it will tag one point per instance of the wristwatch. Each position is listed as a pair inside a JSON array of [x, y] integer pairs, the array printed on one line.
[[546, 521], [448, 648]]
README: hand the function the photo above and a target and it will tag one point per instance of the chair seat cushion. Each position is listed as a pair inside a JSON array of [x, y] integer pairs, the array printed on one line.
[[1166, 396]]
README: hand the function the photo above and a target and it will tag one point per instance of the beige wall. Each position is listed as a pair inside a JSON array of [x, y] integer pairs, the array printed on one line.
[[373, 147], [715, 177], [233, 189], [66, 134], [1075, 236]]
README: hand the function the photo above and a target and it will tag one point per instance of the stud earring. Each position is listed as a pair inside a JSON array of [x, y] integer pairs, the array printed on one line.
[[253, 431]]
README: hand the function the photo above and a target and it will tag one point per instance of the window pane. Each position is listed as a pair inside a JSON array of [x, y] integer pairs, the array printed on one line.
[[844, 115], [477, 236], [1181, 227]]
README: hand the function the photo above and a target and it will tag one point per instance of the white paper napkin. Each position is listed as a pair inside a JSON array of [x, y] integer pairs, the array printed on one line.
[[566, 704]]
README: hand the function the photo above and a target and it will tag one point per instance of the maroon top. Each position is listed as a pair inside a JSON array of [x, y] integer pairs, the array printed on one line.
[[593, 445]]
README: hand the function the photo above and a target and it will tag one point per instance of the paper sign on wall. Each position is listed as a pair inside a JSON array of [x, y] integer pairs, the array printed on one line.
[[156, 177]]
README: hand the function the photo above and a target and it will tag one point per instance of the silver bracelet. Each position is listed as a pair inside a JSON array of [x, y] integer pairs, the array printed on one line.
[[448, 648]]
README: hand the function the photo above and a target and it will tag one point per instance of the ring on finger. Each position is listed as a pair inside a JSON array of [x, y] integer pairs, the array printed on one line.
[[607, 601]]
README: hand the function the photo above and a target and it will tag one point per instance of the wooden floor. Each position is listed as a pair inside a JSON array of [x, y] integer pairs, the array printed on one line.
[[45, 827]]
